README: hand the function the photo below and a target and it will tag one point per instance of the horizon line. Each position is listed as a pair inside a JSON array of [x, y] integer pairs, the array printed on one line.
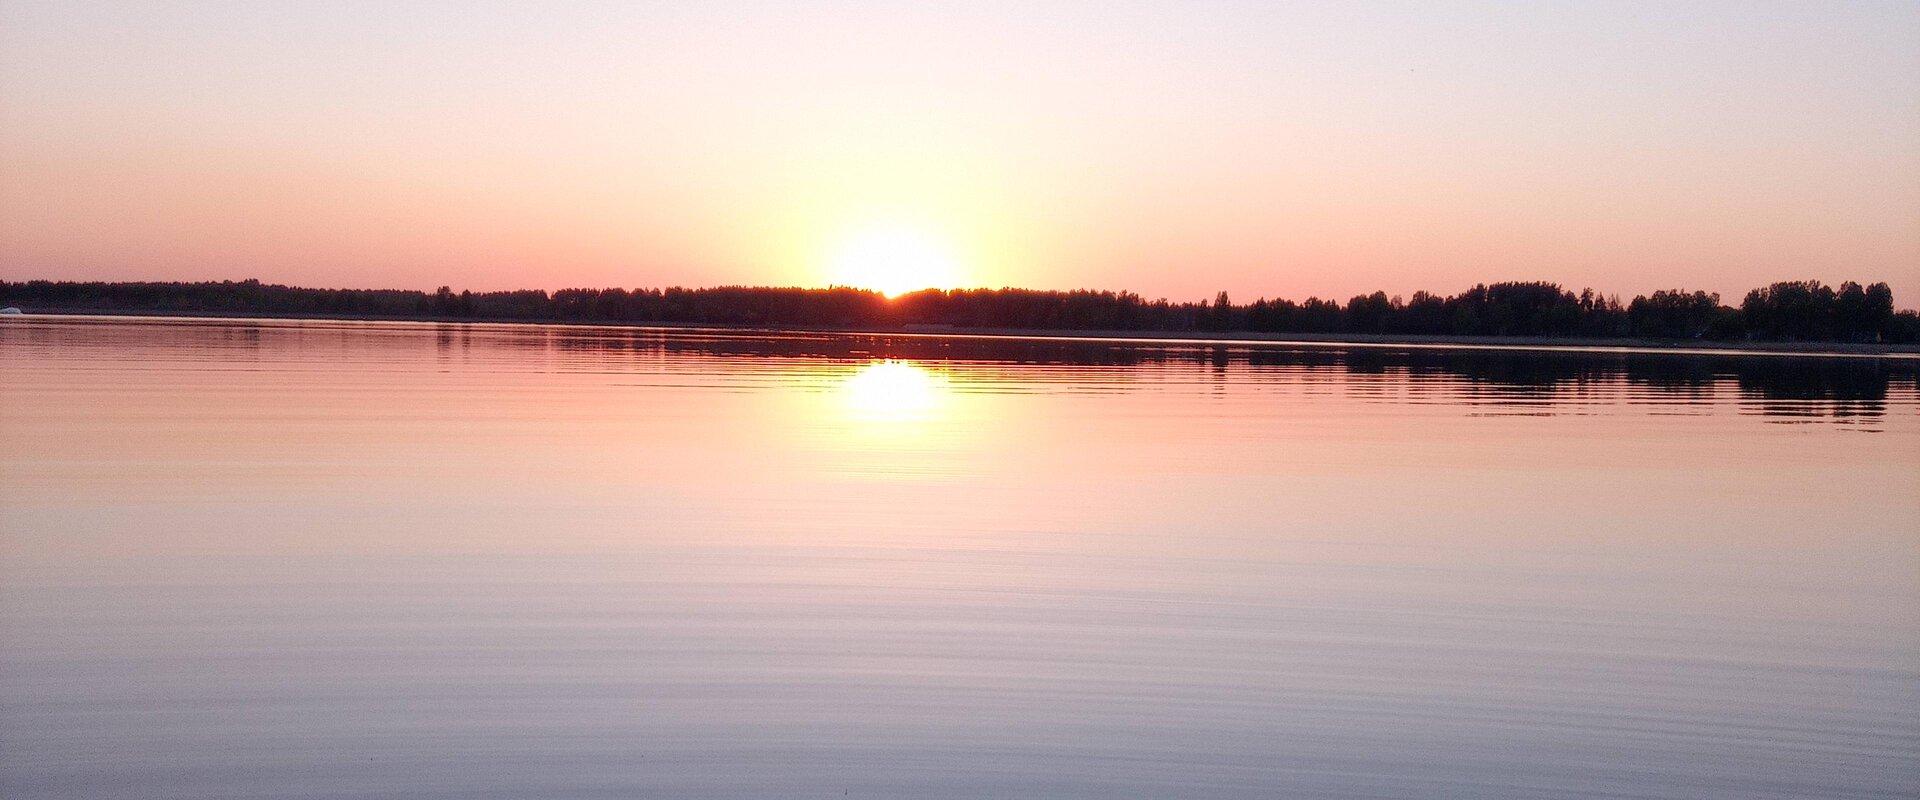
[[890, 297]]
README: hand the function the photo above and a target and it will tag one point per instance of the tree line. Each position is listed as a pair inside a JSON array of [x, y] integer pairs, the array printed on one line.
[[1785, 311]]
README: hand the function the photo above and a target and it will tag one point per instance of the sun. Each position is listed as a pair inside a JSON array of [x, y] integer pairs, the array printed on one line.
[[894, 261]]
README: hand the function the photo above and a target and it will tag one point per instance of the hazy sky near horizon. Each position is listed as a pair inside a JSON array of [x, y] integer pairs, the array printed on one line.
[[1174, 149]]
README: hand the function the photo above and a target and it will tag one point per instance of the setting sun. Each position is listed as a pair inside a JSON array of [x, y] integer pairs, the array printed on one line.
[[894, 261]]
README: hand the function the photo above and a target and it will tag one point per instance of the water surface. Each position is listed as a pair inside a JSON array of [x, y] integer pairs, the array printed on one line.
[[372, 560]]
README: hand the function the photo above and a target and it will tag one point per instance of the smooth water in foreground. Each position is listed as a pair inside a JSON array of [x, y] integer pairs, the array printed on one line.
[[365, 560]]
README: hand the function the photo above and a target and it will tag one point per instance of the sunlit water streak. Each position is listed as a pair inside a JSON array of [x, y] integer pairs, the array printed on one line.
[[344, 560]]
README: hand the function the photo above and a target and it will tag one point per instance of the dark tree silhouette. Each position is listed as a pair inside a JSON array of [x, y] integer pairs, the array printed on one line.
[[1794, 310], [1675, 314]]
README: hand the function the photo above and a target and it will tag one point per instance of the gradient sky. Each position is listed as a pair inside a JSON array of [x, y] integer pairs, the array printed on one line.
[[1174, 149]]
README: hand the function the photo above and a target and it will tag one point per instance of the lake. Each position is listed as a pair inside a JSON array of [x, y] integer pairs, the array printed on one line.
[[376, 560]]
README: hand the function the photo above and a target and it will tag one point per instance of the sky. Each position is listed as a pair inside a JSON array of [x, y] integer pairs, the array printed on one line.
[[1174, 149]]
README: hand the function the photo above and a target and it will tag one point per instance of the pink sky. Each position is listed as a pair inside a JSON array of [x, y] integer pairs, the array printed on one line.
[[1176, 150]]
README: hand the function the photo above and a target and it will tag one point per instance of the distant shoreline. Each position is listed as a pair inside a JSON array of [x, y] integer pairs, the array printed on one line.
[[1438, 342]]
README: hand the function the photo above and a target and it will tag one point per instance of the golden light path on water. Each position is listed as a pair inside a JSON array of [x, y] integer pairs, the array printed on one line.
[[894, 420], [893, 392]]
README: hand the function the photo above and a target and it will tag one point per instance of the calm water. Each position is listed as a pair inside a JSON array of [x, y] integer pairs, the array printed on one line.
[[350, 560]]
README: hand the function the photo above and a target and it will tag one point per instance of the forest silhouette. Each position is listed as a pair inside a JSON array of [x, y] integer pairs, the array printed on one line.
[[1786, 311]]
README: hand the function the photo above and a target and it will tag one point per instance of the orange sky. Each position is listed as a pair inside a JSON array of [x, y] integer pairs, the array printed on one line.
[[1172, 149]]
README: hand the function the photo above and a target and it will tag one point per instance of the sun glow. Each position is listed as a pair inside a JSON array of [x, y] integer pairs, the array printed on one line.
[[894, 261]]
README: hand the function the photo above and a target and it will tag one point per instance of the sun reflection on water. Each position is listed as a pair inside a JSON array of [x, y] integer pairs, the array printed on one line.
[[895, 391]]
